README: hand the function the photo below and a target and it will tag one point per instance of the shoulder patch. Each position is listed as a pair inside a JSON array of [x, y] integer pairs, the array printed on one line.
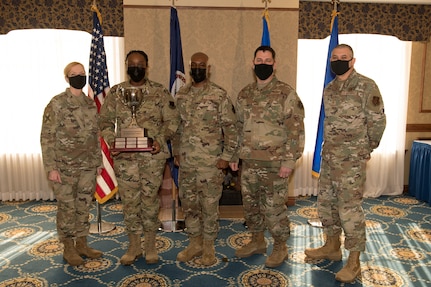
[[300, 105], [376, 101]]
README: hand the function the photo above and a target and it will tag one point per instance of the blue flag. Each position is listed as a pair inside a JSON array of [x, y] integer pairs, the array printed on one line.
[[177, 78], [265, 33], [329, 76]]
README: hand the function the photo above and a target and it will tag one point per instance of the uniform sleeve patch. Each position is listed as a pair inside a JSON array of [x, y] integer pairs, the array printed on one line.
[[376, 101], [300, 105]]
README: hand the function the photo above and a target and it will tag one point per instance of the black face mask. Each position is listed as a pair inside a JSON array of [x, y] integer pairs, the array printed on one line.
[[263, 71], [340, 67], [198, 75], [136, 73], [78, 82]]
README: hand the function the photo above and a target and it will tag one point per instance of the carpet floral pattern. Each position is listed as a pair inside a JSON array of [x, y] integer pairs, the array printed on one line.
[[398, 251]]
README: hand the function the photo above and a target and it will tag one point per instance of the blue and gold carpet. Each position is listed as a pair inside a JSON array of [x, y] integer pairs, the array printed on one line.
[[398, 251]]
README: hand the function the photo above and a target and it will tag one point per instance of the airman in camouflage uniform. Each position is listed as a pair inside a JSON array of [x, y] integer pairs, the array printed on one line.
[[71, 156], [140, 174], [271, 138], [205, 143], [354, 124]]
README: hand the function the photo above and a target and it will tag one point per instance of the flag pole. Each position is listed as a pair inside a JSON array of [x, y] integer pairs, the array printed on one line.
[[100, 227], [173, 225]]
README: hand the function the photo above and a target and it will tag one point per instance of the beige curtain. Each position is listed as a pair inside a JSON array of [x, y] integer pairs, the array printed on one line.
[[31, 78], [228, 36]]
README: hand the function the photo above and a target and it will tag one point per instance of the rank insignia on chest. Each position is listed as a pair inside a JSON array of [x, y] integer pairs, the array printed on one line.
[[172, 104]]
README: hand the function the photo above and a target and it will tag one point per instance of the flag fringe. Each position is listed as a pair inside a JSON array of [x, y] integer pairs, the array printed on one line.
[[265, 15], [106, 197], [95, 9], [333, 15]]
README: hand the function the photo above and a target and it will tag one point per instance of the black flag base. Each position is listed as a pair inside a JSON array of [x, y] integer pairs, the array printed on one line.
[[315, 222]]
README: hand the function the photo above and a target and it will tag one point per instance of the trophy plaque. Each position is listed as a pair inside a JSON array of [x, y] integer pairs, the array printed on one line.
[[133, 138]]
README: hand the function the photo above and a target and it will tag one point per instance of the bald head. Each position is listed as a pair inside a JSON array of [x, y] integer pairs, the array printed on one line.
[[199, 57]]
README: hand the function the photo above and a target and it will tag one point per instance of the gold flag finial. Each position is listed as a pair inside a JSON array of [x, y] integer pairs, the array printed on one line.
[[94, 9], [266, 3], [335, 12], [335, 3]]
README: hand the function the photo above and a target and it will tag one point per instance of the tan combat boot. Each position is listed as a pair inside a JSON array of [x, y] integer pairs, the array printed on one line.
[[278, 255], [331, 250], [151, 256], [193, 250], [134, 251], [70, 254], [351, 270], [84, 250], [208, 256], [257, 245]]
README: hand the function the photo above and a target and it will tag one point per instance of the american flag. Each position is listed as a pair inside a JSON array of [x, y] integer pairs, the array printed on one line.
[[106, 182]]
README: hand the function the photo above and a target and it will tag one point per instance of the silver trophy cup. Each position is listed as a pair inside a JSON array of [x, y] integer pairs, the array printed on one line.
[[133, 138]]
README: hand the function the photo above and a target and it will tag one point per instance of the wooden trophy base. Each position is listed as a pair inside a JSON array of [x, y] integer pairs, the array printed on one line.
[[133, 139], [133, 144]]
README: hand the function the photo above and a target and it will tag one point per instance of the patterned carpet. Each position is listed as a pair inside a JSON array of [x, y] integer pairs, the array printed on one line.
[[398, 251]]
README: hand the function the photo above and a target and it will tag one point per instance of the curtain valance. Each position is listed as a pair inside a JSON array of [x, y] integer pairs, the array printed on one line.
[[70, 14], [408, 22]]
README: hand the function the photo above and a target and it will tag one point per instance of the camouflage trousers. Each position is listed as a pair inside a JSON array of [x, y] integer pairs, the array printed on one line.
[[263, 196], [339, 201], [74, 198], [200, 191], [139, 181]]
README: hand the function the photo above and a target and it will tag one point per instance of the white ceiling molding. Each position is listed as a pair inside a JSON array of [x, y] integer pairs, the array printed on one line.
[[216, 3]]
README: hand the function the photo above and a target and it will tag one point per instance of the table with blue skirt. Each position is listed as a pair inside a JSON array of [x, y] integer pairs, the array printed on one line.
[[420, 170]]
